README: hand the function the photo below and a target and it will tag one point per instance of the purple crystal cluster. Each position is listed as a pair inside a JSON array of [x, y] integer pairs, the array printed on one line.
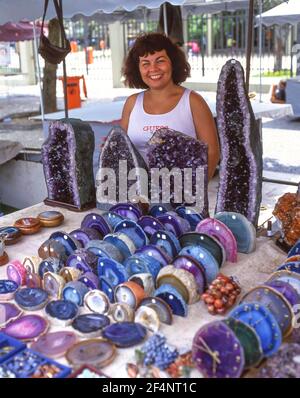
[[241, 146], [118, 147], [67, 157], [171, 149]]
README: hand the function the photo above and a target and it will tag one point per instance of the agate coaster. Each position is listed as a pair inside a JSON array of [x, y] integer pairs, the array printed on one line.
[[7, 289], [90, 325], [61, 312], [31, 299], [217, 352], [125, 334], [96, 352], [8, 312], [26, 327], [162, 309], [54, 345], [261, 319]]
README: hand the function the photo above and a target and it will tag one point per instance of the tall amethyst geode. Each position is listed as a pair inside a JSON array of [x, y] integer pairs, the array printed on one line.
[[176, 151], [123, 174], [241, 146], [67, 156]]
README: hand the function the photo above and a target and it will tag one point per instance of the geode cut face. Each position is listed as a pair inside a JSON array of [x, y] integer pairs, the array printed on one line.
[[67, 157], [241, 147], [173, 150], [122, 174]]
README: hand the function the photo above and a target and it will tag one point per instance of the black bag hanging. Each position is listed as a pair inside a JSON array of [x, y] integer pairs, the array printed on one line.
[[50, 52]]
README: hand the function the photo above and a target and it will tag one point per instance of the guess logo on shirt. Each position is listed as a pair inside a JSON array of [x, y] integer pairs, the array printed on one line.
[[151, 129]]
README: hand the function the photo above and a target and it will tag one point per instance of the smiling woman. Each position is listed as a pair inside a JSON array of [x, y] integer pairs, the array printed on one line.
[[159, 66]]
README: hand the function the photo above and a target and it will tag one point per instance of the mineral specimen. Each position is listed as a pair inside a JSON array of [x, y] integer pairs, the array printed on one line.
[[241, 146], [67, 157]]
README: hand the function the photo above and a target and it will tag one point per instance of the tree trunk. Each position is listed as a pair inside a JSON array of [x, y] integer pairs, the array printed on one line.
[[298, 51], [278, 49], [49, 79]]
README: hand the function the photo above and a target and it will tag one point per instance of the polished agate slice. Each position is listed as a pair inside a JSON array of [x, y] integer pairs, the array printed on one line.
[[26, 327], [52, 248], [97, 301], [83, 260], [174, 223], [70, 244], [171, 149], [31, 299], [133, 231], [222, 233], [112, 270], [75, 292], [106, 286], [242, 229], [189, 214], [122, 312], [53, 284], [50, 264], [157, 210], [167, 241], [118, 148], [122, 242], [147, 317], [97, 222], [61, 311], [127, 210], [7, 289], [90, 324], [55, 344], [67, 157], [105, 249], [217, 352], [195, 268], [83, 235], [125, 334], [161, 307], [97, 352], [155, 252], [140, 264], [150, 225], [295, 250], [210, 243], [173, 298], [8, 312], [241, 146], [145, 280], [112, 218], [90, 280]]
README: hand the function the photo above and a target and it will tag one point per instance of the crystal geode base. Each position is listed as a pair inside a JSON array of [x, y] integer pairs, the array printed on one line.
[[67, 157], [240, 187]]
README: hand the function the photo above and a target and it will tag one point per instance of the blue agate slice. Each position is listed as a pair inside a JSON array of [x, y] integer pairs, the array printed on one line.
[[112, 218], [157, 210], [287, 290], [171, 296], [242, 229], [90, 323], [150, 225], [105, 249], [293, 266], [261, 319], [97, 222], [115, 272], [7, 286], [83, 260], [83, 235], [127, 210], [174, 223], [31, 299], [61, 309], [50, 264], [167, 240], [205, 258], [155, 252], [90, 280], [142, 264], [190, 215], [122, 242], [133, 231], [125, 334], [75, 291], [208, 242], [69, 244], [295, 250], [106, 286]]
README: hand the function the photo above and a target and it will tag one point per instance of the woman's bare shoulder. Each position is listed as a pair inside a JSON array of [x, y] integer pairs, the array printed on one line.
[[197, 99], [127, 109], [130, 102]]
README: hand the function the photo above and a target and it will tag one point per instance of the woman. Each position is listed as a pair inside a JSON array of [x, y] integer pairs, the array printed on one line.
[[159, 66], [278, 94]]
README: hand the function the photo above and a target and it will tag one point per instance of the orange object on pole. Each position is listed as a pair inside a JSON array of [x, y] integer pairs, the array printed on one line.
[[90, 55], [74, 46], [73, 90]]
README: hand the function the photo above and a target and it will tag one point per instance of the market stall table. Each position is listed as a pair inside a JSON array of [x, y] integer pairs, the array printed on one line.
[[251, 270]]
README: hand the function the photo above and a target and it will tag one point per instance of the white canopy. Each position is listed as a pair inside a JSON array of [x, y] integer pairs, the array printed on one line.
[[286, 13], [16, 10]]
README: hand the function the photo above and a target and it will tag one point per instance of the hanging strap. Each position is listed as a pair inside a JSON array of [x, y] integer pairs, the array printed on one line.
[[59, 14]]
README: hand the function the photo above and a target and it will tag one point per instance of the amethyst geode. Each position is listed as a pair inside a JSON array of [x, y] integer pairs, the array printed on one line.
[[123, 174], [241, 146], [186, 157], [67, 157]]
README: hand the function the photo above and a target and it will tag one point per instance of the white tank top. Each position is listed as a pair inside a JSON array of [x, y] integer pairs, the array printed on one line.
[[142, 125]]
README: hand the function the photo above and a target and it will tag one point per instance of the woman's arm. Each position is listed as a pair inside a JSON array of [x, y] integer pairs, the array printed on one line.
[[206, 130], [128, 106]]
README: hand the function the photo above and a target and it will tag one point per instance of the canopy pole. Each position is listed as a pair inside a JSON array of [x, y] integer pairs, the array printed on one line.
[[249, 42], [165, 19], [260, 50], [64, 67], [37, 63]]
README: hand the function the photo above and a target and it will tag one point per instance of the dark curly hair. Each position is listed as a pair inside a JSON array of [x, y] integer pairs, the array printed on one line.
[[149, 43]]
